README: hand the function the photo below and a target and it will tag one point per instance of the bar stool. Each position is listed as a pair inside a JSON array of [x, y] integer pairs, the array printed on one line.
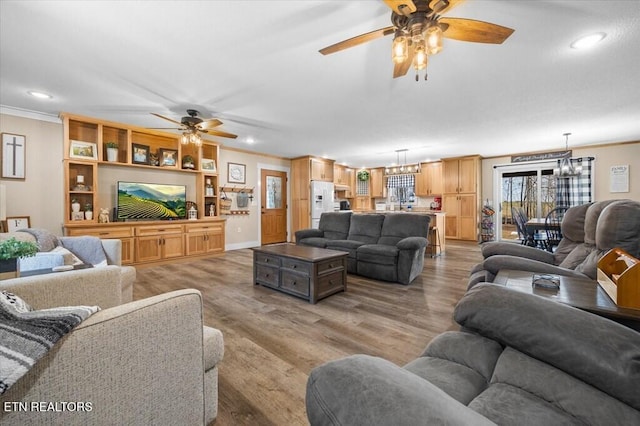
[[434, 243]]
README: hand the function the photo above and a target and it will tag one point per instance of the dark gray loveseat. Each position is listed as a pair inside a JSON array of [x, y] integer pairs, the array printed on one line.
[[388, 247], [520, 360]]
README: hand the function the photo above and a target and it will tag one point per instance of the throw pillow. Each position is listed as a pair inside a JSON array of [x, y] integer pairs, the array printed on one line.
[[27, 335]]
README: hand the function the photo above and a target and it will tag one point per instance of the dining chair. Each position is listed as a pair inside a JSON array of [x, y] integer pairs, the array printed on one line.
[[520, 218], [552, 227]]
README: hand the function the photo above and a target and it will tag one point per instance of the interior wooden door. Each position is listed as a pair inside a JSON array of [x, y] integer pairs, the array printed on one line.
[[273, 207]]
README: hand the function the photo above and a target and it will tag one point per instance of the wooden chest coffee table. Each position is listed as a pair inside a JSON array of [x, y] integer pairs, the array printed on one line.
[[580, 293], [307, 272]]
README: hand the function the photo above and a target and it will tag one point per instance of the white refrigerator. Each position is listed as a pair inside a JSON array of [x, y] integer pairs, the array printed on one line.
[[321, 200]]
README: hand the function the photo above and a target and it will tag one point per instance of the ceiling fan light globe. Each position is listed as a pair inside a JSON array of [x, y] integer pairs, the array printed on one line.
[[400, 48], [184, 139], [433, 39], [420, 58]]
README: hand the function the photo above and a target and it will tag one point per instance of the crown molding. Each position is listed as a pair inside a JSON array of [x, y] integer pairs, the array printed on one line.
[[26, 113]]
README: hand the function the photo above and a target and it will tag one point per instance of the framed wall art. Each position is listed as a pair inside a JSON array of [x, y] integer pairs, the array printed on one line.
[[139, 153], [15, 223], [168, 157], [236, 173], [83, 150], [13, 155]]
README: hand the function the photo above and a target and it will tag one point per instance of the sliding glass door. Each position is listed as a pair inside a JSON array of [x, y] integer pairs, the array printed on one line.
[[528, 190]]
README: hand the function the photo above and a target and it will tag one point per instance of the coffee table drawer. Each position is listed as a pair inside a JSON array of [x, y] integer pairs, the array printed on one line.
[[295, 283], [297, 265], [269, 276], [267, 259], [330, 283], [330, 265]]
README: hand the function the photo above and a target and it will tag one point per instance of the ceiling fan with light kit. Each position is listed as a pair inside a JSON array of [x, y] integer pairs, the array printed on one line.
[[192, 125], [418, 29]]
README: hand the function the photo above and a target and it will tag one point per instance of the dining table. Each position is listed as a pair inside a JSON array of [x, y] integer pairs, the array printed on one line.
[[536, 231]]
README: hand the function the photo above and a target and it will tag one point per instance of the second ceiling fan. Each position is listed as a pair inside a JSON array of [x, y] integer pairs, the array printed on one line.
[[418, 28], [192, 125]]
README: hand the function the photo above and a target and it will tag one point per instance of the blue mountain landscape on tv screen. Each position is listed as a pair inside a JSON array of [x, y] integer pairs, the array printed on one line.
[[151, 201]]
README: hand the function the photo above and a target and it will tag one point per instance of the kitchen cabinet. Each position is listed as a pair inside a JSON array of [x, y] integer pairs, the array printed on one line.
[[321, 169], [303, 171], [429, 181], [377, 182], [122, 232], [461, 198], [362, 202]]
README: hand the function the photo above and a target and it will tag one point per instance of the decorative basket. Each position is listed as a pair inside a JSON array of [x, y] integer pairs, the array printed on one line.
[[225, 203]]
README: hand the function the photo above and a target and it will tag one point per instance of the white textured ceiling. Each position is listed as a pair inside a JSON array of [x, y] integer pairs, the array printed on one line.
[[255, 65]]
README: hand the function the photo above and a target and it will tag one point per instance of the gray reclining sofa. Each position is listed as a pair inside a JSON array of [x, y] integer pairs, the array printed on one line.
[[519, 359], [387, 247]]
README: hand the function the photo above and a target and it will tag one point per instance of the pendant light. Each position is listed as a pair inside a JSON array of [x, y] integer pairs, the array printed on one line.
[[565, 168]]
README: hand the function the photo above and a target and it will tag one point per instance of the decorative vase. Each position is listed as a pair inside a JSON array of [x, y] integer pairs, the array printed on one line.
[[75, 207], [88, 215], [112, 154], [9, 269]]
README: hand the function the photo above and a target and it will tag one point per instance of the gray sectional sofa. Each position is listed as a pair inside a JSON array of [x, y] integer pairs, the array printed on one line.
[[519, 359], [387, 247]]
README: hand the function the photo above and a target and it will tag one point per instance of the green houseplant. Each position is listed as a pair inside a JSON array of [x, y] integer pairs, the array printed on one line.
[[112, 151], [10, 251], [188, 162]]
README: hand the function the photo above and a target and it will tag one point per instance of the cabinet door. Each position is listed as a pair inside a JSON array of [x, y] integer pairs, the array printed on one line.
[[172, 246], [467, 170], [215, 242], [467, 217], [450, 205], [339, 174], [148, 248], [434, 175], [422, 185], [128, 252], [351, 181], [450, 176], [377, 183], [196, 243]]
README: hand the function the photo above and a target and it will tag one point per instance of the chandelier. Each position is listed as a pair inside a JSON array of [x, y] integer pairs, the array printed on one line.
[[565, 169], [191, 136], [402, 168]]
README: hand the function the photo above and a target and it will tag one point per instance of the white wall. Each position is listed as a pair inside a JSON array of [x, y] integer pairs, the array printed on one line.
[[605, 157], [40, 195]]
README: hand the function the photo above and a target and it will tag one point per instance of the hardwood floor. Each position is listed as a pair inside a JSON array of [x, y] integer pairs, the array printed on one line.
[[273, 340]]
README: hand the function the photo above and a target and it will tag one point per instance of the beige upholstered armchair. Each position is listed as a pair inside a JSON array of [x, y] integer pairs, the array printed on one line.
[[150, 361]]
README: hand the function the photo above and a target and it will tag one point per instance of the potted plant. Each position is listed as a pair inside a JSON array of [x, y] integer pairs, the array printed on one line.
[[88, 211], [188, 162], [75, 205], [10, 251], [112, 151]]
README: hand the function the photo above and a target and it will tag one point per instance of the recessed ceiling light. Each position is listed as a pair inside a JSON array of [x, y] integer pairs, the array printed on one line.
[[39, 95], [250, 140], [588, 41]]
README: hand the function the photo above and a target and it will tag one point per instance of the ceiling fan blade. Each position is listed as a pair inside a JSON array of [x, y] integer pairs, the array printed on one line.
[[208, 124], [165, 128], [474, 31], [401, 7], [443, 6], [362, 38], [220, 133], [401, 69], [168, 119]]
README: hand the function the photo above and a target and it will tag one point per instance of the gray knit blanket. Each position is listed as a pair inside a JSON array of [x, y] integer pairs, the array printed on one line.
[[27, 335]]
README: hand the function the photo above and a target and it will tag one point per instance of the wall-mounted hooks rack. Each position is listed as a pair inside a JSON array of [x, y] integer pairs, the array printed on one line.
[[237, 189]]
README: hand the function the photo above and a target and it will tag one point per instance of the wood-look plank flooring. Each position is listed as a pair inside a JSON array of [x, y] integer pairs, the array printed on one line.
[[273, 340]]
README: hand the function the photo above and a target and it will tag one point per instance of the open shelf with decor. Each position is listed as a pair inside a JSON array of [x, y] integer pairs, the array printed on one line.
[[139, 155]]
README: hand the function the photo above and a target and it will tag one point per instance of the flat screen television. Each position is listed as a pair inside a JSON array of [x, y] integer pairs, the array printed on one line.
[[151, 201]]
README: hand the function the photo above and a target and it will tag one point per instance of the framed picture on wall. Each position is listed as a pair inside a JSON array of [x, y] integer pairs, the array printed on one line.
[[209, 165], [236, 173], [13, 156]]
